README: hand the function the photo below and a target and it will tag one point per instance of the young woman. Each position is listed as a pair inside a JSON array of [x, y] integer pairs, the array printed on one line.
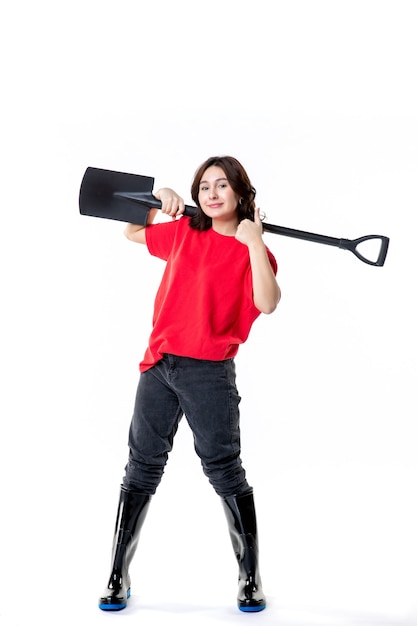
[[219, 278]]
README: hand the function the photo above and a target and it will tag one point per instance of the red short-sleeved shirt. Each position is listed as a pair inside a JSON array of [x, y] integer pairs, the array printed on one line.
[[204, 306]]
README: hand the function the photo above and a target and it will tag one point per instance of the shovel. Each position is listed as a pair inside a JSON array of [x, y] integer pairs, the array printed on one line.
[[128, 198]]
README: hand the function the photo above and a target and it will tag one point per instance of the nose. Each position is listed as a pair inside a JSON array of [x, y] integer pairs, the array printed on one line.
[[213, 192]]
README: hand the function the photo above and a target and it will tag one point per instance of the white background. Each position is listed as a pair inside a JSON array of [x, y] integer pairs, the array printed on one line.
[[318, 100]]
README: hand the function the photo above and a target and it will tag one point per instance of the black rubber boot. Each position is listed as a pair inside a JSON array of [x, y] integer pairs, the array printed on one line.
[[241, 518], [131, 513]]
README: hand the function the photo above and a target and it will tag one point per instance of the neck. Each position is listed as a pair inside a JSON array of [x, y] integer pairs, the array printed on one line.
[[225, 228]]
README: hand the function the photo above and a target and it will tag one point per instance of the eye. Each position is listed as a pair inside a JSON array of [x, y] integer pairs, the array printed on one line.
[[203, 188]]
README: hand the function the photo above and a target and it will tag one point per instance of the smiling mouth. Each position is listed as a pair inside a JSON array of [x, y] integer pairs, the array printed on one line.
[[214, 206]]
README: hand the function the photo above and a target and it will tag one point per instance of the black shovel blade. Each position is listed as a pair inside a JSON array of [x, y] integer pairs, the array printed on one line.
[[117, 195]]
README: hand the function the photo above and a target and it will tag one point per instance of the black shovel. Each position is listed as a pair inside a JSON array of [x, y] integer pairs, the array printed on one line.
[[128, 198]]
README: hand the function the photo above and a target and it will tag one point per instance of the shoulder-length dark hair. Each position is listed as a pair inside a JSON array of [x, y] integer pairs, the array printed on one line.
[[239, 182]]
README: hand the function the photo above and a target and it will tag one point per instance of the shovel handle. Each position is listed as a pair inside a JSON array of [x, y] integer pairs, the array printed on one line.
[[149, 201], [344, 244]]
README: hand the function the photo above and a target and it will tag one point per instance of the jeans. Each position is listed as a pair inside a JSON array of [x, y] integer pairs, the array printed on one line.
[[205, 392]]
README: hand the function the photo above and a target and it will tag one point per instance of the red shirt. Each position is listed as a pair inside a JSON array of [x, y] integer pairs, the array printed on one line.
[[204, 306]]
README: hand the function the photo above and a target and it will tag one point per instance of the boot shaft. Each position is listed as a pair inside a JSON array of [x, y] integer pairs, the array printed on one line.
[[131, 513], [241, 519]]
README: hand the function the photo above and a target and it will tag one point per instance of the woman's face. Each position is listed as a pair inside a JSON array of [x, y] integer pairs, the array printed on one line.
[[216, 197]]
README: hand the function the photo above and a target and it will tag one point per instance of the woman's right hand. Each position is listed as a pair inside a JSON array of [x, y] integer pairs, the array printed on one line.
[[172, 204]]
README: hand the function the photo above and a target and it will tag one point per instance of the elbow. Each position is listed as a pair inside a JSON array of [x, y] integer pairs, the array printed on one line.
[[269, 305], [131, 230], [268, 309]]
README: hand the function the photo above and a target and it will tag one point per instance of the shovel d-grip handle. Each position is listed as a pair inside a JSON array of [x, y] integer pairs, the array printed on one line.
[[351, 244]]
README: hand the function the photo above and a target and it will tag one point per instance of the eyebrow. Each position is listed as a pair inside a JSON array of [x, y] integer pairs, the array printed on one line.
[[216, 180]]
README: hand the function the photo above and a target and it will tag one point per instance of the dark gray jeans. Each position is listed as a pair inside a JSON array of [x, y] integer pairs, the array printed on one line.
[[205, 392]]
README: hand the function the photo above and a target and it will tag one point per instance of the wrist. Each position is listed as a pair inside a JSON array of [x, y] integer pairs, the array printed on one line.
[[257, 243]]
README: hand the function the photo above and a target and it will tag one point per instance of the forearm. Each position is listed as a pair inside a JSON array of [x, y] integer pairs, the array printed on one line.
[[266, 291]]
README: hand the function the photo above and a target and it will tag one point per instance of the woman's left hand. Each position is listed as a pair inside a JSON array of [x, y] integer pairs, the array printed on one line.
[[249, 232]]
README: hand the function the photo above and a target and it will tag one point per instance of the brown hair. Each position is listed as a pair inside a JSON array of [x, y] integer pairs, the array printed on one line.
[[239, 182]]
